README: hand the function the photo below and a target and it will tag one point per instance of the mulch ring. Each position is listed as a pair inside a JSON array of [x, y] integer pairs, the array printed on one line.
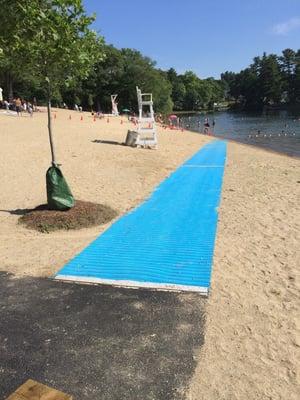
[[83, 215]]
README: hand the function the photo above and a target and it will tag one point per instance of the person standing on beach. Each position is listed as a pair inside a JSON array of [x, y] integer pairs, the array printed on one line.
[[206, 125], [18, 104]]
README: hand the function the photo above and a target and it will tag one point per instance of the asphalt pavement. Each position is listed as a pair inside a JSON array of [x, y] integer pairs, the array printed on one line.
[[98, 342]]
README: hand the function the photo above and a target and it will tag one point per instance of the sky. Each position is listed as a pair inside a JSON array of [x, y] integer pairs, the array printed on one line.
[[207, 37]]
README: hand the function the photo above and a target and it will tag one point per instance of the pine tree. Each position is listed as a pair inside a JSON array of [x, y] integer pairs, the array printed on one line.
[[288, 64], [270, 79]]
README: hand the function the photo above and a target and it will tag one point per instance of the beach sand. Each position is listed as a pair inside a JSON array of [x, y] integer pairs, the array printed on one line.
[[103, 172], [252, 341], [253, 328]]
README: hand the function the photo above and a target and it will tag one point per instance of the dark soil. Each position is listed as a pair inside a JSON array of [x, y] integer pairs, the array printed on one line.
[[98, 342], [83, 215]]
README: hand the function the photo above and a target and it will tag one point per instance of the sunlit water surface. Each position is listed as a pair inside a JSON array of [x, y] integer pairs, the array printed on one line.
[[277, 131]]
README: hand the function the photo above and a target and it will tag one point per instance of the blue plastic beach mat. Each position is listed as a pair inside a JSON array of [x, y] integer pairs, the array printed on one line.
[[168, 241]]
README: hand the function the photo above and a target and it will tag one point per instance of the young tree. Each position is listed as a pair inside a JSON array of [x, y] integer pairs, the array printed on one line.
[[51, 40]]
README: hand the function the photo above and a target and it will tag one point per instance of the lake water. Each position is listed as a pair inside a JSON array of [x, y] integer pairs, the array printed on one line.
[[278, 132]]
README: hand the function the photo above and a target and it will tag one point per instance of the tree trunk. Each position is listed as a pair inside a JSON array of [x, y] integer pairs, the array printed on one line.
[[50, 133], [10, 87]]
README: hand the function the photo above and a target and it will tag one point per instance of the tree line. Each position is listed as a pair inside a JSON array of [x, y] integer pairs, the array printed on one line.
[[90, 71], [119, 72], [270, 81]]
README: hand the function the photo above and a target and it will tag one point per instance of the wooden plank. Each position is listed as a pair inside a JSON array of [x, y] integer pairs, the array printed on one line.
[[32, 390]]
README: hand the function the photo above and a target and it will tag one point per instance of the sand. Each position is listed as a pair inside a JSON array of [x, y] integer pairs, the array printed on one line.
[[252, 341], [97, 168]]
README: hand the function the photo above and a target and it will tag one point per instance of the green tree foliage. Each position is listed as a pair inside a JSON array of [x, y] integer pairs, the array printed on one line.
[[122, 70], [103, 80], [140, 71], [90, 101], [51, 42], [288, 65], [119, 73], [190, 93], [269, 81], [295, 94], [10, 55], [52, 51]]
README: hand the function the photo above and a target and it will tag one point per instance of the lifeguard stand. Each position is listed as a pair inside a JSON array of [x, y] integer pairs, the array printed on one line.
[[114, 105], [147, 136]]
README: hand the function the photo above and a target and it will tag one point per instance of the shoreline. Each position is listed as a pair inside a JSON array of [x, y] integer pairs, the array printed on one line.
[[249, 144]]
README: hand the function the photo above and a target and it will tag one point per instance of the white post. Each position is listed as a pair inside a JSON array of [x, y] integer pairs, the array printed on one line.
[[114, 105]]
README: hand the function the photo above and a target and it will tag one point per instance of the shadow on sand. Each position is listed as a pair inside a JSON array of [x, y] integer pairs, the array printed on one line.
[[108, 142], [97, 342], [18, 211]]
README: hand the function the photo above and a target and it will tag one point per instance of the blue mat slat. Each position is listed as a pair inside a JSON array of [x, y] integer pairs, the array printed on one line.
[[168, 241]]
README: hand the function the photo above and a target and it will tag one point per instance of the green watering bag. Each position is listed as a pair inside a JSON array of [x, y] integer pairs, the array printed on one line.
[[59, 196]]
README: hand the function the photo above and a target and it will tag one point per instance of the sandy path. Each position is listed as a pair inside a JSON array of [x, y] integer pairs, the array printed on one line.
[[253, 329]]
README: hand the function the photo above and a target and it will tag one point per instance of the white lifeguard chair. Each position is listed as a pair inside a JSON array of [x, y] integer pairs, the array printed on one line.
[[114, 105], [147, 136]]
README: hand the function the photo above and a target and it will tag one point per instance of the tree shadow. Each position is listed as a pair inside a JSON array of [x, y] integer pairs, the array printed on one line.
[[97, 341], [23, 211], [18, 211], [108, 142]]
